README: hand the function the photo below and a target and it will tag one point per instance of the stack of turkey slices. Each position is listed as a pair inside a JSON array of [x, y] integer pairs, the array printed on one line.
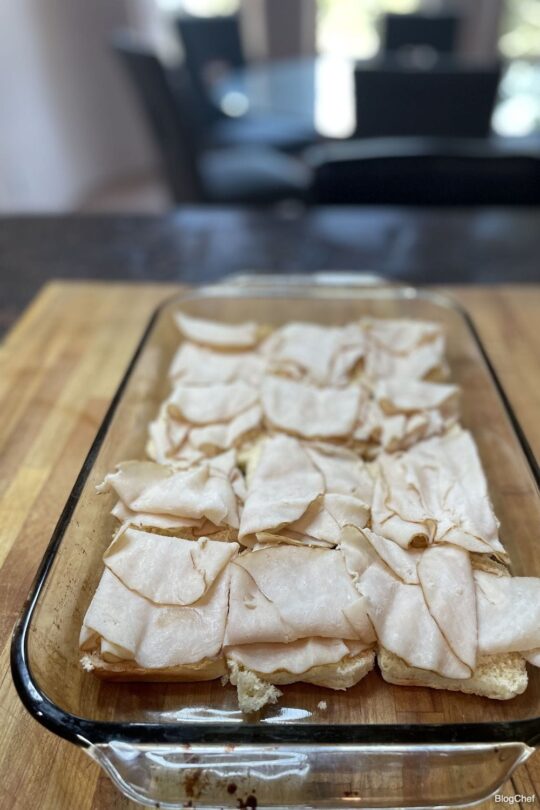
[[311, 503]]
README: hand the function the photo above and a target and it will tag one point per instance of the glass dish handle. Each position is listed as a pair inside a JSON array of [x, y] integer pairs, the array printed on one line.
[[208, 777], [323, 278]]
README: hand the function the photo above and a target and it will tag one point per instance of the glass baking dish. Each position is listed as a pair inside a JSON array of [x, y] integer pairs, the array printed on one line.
[[375, 745]]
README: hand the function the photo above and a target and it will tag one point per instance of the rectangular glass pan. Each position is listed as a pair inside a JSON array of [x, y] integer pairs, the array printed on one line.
[[188, 742]]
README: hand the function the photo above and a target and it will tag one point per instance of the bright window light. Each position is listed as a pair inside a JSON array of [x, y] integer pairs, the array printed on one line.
[[351, 27], [520, 29], [200, 8]]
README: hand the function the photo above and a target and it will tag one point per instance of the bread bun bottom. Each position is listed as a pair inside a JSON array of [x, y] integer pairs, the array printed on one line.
[[499, 677], [257, 689], [206, 670]]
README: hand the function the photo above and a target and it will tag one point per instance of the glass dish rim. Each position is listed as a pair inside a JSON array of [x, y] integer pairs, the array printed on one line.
[[87, 733]]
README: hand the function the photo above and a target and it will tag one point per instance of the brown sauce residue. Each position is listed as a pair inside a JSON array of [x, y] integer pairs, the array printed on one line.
[[192, 783], [250, 803], [195, 782]]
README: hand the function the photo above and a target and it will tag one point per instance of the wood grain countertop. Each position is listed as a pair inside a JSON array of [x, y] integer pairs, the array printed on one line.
[[59, 368]]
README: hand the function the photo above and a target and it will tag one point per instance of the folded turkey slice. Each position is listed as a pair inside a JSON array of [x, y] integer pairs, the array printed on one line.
[[183, 445], [377, 431], [285, 482], [400, 335], [508, 613], [165, 522], [224, 462], [126, 625], [398, 396], [344, 473], [323, 355], [222, 436], [446, 578], [310, 412], [197, 365], [322, 525], [409, 411], [410, 350], [208, 404], [533, 657], [166, 436], [326, 518], [283, 593], [346, 501], [149, 488], [405, 626], [436, 492], [356, 551], [400, 431], [167, 570], [220, 335], [368, 426], [297, 657], [302, 350], [363, 547], [285, 536], [350, 356], [425, 361]]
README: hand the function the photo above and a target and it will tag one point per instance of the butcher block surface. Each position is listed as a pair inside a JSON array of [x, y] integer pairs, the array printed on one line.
[[59, 368]]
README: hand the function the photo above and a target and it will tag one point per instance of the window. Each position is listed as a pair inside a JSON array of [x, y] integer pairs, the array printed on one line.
[[518, 112], [351, 27], [202, 8], [520, 29]]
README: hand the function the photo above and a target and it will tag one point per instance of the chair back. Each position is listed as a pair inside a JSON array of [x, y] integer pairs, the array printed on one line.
[[165, 97], [447, 100], [439, 32], [212, 47], [423, 172]]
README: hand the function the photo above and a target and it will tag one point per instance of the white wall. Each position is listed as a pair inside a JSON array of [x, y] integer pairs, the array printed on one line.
[[68, 120]]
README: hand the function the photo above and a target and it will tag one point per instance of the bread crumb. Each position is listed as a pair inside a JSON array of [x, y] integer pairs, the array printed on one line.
[[87, 663], [253, 692], [322, 705]]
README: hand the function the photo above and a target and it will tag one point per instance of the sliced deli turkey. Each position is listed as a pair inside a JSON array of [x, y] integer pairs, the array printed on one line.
[[312, 505], [197, 494], [436, 492], [284, 593], [155, 610]]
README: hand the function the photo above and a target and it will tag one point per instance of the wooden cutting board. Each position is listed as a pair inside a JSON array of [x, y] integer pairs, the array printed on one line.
[[59, 368]]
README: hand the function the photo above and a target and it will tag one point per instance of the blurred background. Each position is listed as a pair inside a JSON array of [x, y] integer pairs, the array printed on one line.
[[139, 105]]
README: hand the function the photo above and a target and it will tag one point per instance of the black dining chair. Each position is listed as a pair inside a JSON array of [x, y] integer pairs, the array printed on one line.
[[212, 48], [447, 100], [212, 45], [405, 32], [244, 175], [432, 172]]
